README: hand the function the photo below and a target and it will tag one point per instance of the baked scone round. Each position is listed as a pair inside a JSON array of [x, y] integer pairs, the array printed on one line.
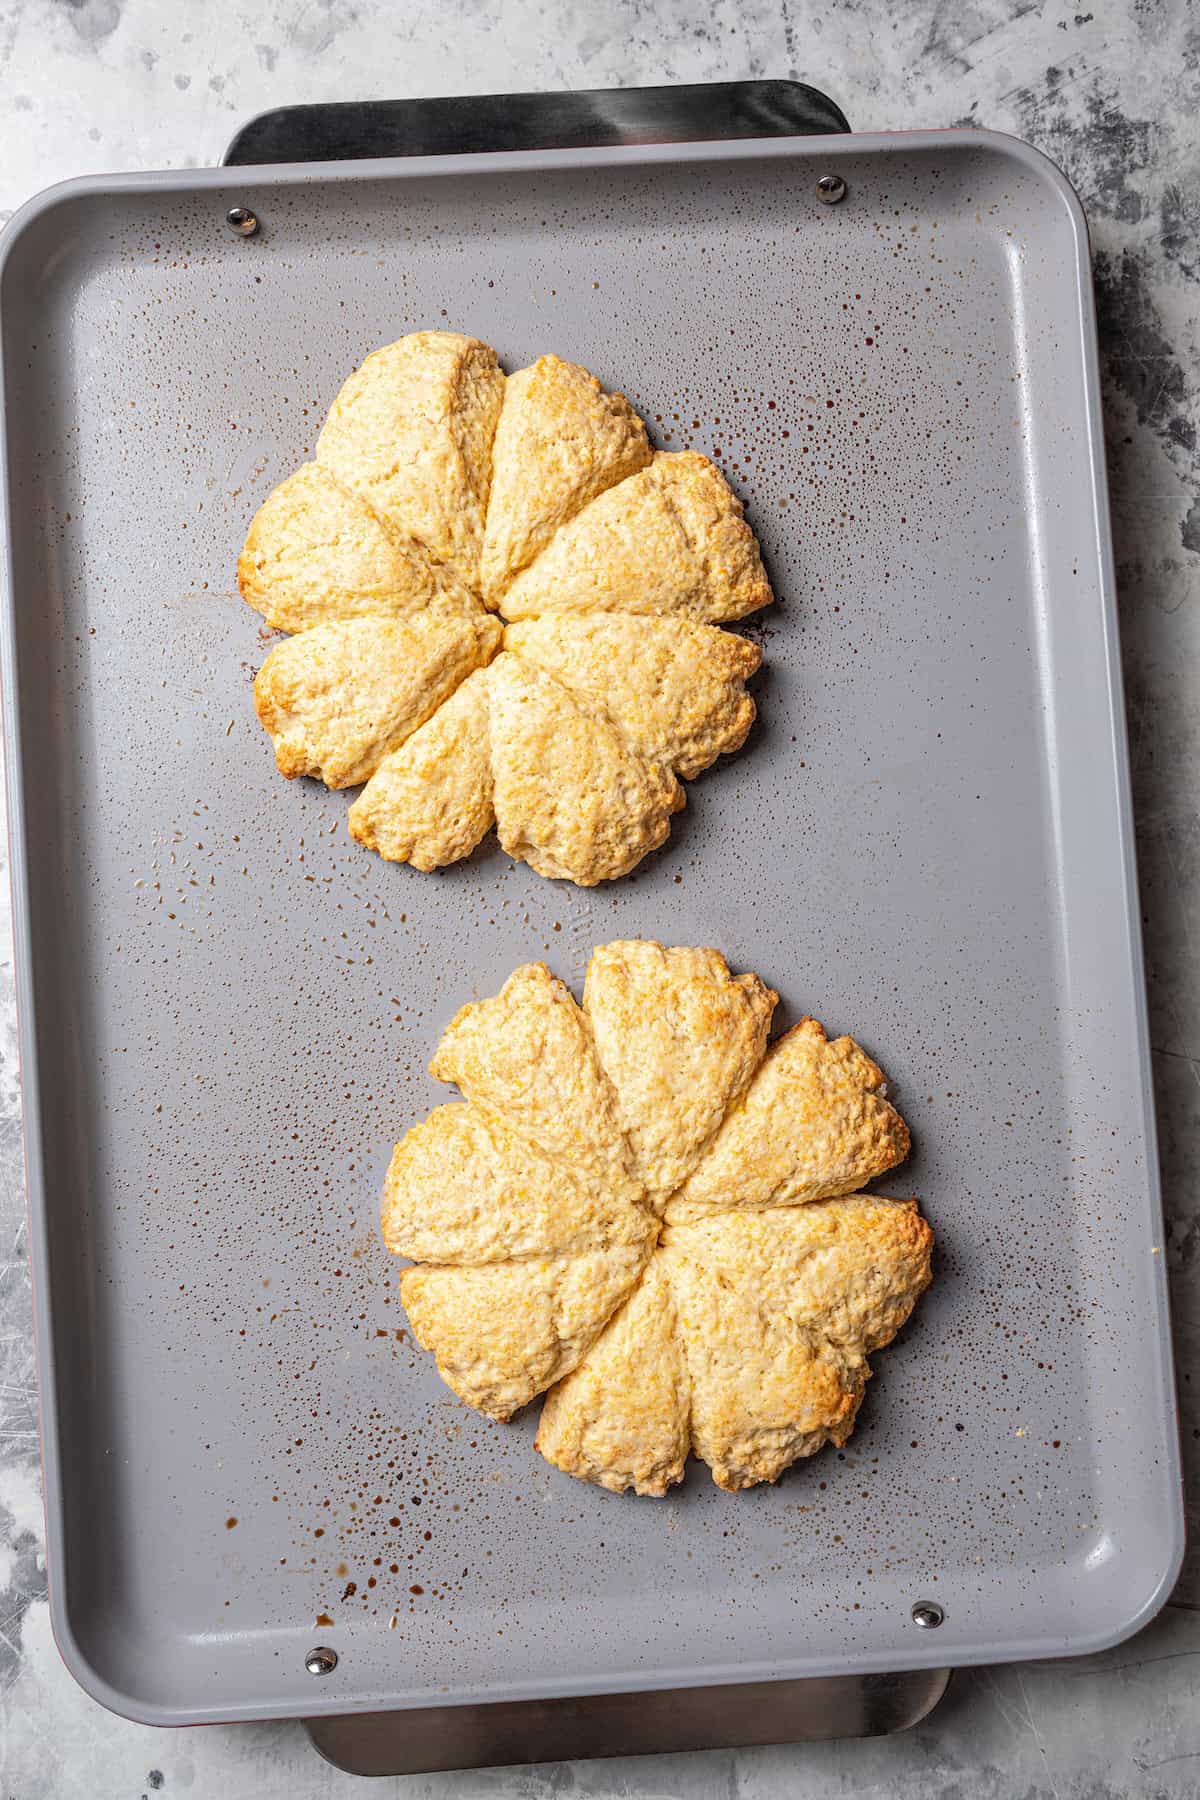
[[441, 494], [649, 1215]]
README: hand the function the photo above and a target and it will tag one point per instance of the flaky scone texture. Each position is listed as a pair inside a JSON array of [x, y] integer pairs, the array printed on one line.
[[442, 493], [647, 1215]]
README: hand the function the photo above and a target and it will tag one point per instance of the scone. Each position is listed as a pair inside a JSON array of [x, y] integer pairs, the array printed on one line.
[[443, 493], [647, 1215]]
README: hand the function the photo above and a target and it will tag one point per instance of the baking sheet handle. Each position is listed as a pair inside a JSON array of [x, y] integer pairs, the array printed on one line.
[[666, 1721], [346, 130]]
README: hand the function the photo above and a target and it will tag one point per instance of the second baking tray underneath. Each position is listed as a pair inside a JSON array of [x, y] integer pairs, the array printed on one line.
[[227, 1006]]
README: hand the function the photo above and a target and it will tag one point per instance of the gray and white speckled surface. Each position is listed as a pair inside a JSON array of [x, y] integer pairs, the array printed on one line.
[[98, 85]]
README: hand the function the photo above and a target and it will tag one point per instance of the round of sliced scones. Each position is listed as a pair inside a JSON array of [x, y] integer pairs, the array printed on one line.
[[649, 1213], [441, 494]]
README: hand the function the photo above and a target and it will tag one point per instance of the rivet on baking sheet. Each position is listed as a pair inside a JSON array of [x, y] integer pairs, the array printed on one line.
[[831, 189], [321, 1661], [927, 1614], [242, 220]]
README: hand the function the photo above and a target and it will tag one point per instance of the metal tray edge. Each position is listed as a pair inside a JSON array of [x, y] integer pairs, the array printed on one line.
[[258, 176]]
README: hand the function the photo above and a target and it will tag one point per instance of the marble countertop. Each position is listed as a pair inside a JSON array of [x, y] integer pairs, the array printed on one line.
[[1114, 97]]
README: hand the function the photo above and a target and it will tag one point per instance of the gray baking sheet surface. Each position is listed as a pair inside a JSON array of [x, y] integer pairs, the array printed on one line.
[[227, 1006]]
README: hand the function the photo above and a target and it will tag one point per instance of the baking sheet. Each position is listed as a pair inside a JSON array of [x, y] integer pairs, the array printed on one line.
[[226, 1006]]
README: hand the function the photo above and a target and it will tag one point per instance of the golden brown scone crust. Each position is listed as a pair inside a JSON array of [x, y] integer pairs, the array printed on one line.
[[337, 698], [571, 799], [674, 690], [671, 540], [412, 431], [316, 552], [680, 1039], [812, 1124], [505, 1332], [430, 801], [851, 1268], [623, 1417], [560, 441], [739, 1328], [463, 1187], [528, 1055], [777, 1311]]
